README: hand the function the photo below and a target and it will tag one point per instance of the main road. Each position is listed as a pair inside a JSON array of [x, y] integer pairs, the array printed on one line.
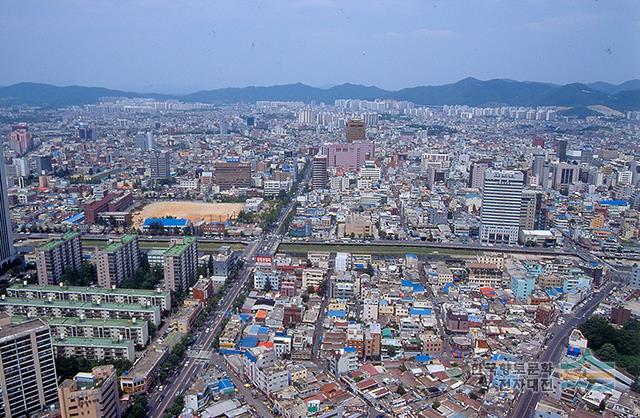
[[267, 244], [556, 346]]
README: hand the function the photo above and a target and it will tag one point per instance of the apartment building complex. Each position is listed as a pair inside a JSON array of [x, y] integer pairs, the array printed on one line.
[[117, 261], [54, 257]]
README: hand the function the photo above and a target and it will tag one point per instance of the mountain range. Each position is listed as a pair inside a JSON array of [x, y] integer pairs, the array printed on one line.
[[469, 91]]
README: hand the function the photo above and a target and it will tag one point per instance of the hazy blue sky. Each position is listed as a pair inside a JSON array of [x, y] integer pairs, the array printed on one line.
[[185, 45]]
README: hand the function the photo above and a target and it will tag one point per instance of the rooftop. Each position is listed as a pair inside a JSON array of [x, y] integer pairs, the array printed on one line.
[[179, 248], [92, 342], [50, 245], [89, 290]]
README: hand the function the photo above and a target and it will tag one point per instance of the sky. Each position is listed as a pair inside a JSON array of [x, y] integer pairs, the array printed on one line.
[[180, 46]]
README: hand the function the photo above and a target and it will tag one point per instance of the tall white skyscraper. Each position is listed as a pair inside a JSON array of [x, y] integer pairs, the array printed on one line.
[[6, 236], [501, 205], [151, 143]]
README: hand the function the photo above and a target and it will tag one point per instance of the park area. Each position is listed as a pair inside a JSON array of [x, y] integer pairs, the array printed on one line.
[[194, 211]]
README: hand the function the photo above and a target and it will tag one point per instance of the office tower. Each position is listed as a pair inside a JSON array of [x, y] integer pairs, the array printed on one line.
[[319, 175], [22, 167], [91, 395], [117, 261], [27, 368], [586, 156], [42, 164], [348, 157], [224, 127], [85, 132], [160, 164], [561, 149], [501, 205], [476, 175], [250, 121], [151, 143], [57, 255], [540, 169], [564, 175], [141, 141], [232, 174], [180, 264], [6, 233], [531, 213], [355, 130], [20, 139]]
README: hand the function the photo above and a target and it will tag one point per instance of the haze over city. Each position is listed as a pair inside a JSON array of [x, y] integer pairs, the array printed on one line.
[[184, 46]]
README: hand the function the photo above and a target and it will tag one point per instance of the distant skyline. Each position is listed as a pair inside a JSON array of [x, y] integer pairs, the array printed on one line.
[[182, 46]]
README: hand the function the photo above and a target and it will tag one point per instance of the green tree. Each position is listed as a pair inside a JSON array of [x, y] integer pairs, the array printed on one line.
[[607, 352]]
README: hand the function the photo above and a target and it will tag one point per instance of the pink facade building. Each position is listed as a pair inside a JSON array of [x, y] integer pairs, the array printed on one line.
[[349, 157]]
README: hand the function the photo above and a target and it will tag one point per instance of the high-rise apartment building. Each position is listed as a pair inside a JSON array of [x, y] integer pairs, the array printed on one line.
[[20, 139], [501, 206], [232, 174], [319, 175], [117, 261], [91, 395], [28, 381], [180, 264], [160, 164], [55, 256], [355, 130], [6, 235]]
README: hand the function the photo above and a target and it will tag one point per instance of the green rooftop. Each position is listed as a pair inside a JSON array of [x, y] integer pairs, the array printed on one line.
[[123, 307], [178, 249], [92, 342], [93, 322], [50, 245], [18, 287], [115, 245]]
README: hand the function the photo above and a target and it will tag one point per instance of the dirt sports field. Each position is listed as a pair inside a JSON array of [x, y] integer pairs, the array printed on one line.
[[194, 211]]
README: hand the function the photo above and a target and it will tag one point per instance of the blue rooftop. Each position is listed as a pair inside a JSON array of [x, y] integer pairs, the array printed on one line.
[[420, 311], [349, 350], [613, 202], [167, 222], [423, 358], [248, 342], [337, 313]]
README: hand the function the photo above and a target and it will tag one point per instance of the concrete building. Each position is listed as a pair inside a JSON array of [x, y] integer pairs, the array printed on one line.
[[98, 349], [7, 251], [355, 130], [91, 395], [232, 174], [181, 264], [349, 157], [160, 298], [477, 173], [319, 175], [160, 164], [60, 309], [531, 213], [501, 206], [28, 379], [54, 257], [117, 261]]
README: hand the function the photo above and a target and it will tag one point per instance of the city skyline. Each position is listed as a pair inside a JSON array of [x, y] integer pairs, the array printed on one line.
[[194, 46]]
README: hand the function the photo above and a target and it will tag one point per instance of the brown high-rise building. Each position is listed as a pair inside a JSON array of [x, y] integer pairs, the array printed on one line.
[[355, 130], [232, 174], [90, 395]]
